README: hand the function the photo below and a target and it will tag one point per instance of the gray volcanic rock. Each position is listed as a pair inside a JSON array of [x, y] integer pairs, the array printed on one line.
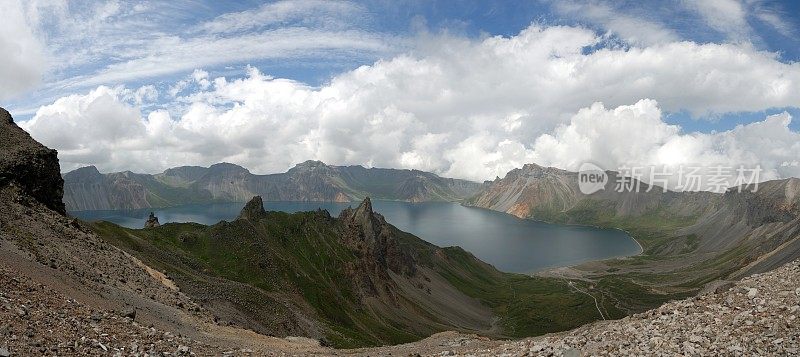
[[88, 189], [184, 174], [152, 221], [758, 316], [29, 165], [253, 210], [369, 233]]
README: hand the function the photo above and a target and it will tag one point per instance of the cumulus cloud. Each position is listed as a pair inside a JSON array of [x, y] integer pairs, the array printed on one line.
[[458, 107], [21, 54], [636, 136]]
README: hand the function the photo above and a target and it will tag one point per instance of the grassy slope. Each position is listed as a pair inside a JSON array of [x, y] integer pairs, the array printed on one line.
[[300, 255], [633, 289]]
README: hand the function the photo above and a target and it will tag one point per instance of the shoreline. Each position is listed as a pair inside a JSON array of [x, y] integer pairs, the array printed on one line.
[[537, 272]]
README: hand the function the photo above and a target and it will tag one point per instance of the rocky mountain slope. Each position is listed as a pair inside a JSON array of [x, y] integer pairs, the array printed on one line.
[[29, 165], [757, 316], [548, 193], [88, 189], [690, 239]]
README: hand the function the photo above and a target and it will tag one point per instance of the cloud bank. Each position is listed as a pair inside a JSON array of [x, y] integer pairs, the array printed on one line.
[[461, 108], [21, 53]]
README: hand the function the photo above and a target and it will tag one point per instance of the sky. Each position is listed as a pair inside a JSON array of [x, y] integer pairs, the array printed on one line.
[[465, 89]]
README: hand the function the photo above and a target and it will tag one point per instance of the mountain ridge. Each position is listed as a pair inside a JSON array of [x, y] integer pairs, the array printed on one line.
[[690, 239], [87, 189]]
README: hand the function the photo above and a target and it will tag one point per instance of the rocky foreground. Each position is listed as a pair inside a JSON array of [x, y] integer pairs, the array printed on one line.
[[758, 316], [38, 321]]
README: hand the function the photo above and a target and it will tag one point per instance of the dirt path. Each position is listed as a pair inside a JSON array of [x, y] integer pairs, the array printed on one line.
[[596, 304]]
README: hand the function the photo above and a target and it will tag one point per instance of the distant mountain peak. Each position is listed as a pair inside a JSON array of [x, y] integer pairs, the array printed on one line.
[[227, 166], [532, 166], [253, 210], [84, 172], [311, 163], [90, 168]]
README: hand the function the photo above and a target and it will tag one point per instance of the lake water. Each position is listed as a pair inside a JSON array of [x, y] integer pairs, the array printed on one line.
[[509, 243]]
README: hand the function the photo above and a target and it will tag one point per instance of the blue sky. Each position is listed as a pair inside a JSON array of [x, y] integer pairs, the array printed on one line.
[[708, 67], [401, 20]]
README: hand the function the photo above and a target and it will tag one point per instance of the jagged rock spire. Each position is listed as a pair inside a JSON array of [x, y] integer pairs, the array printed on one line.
[[364, 217], [253, 210], [364, 209], [368, 232]]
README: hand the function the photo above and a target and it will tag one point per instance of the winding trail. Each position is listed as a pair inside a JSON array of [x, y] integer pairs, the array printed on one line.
[[596, 305]]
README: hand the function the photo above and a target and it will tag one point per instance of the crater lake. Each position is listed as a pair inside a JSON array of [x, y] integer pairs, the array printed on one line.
[[509, 243]]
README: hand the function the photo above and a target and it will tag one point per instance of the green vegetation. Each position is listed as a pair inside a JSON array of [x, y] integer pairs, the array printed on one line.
[[292, 263], [622, 291]]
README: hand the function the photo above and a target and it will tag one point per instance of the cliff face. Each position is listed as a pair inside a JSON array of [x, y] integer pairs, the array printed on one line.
[[368, 233], [88, 189], [530, 190], [29, 165], [307, 181]]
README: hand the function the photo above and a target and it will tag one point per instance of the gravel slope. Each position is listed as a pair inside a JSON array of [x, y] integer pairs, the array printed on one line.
[[758, 316]]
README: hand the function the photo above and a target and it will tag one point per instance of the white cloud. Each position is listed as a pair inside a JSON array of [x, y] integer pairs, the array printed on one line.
[[772, 15], [726, 16], [167, 55], [633, 29], [463, 108], [21, 54], [332, 14], [606, 137], [108, 43]]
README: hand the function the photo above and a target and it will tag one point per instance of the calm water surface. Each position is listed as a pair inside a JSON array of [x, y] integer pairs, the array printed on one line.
[[508, 243]]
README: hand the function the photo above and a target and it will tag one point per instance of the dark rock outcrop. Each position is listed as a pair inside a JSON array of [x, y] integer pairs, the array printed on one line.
[[253, 210], [29, 165], [368, 232], [152, 221]]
